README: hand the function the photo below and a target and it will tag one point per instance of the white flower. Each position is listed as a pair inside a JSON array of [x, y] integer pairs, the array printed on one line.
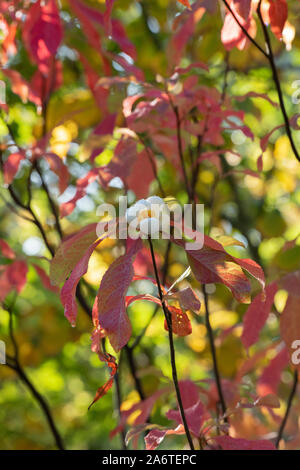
[[146, 215]]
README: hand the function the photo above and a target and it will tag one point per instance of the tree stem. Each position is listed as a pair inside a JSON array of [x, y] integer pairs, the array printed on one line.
[[172, 349], [288, 409], [214, 354]]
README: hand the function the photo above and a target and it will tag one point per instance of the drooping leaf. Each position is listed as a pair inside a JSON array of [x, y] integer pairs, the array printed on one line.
[[278, 12], [257, 314], [110, 300], [271, 375], [70, 252], [290, 323], [112, 365], [42, 33], [68, 292], [45, 279], [59, 168]]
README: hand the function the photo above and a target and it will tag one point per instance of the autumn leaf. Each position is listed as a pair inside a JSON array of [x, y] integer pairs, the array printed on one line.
[[11, 166], [231, 443], [278, 13], [271, 375], [70, 252], [68, 292], [290, 323], [212, 264], [257, 314], [243, 8], [110, 301], [112, 365], [42, 33], [181, 324], [12, 277]]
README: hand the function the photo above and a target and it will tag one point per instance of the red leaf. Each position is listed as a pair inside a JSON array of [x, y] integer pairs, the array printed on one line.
[[45, 279], [11, 166], [181, 324], [12, 277], [187, 298], [61, 170], [110, 301], [230, 443], [212, 264], [121, 163], [70, 252], [186, 3], [270, 378], [141, 175], [18, 84], [242, 7], [231, 34], [257, 314], [67, 208], [144, 407], [42, 33], [68, 291], [6, 250], [291, 283], [156, 436], [111, 363], [195, 416], [290, 323], [278, 13], [107, 17], [92, 78]]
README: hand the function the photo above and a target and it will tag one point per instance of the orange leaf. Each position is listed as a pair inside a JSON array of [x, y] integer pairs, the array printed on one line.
[[181, 324]]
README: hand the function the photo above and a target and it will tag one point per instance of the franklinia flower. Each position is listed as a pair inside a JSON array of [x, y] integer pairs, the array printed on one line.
[[146, 215]]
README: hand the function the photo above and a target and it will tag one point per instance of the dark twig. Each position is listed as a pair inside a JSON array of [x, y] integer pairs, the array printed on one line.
[[213, 353], [168, 318], [14, 363], [270, 56], [271, 59], [288, 409], [244, 29]]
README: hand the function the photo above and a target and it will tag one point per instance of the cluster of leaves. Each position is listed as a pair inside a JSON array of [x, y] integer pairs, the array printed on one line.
[[105, 100]]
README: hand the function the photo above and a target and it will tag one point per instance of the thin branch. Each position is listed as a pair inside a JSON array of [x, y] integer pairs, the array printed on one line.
[[164, 278], [271, 58], [288, 409], [179, 144], [133, 370], [213, 353], [244, 29], [168, 318], [17, 367], [119, 402]]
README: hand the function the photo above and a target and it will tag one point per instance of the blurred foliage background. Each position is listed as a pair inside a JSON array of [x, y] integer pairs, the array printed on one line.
[[58, 358]]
